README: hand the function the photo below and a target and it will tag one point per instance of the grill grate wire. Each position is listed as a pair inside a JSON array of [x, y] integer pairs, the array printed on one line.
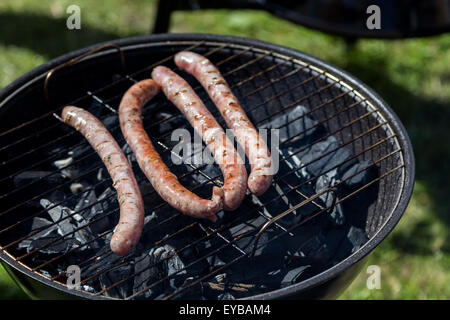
[[215, 180]]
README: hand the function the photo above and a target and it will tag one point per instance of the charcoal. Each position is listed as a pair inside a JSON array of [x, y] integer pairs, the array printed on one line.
[[80, 151], [324, 182], [41, 224], [88, 289], [225, 296], [357, 237], [115, 275], [281, 258], [154, 265], [293, 275], [320, 158], [295, 123], [63, 163], [52, 242], [59, 215], [28, 177], [353, 180], [77, 187], [129, 153], [353, 240], [100, 218], [111, 121], [86, 200]]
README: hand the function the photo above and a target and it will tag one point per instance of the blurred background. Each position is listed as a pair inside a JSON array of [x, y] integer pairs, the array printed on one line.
[[412, 75]]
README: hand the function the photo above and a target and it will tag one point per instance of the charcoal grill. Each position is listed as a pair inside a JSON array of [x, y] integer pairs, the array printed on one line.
[[308, 100]]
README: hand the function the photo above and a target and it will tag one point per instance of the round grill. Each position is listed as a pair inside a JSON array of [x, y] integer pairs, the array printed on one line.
[[49, 176]]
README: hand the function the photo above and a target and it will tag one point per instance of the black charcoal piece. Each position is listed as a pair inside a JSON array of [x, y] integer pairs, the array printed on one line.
[[59, 215], [102, 217], [358, 174], [296, 123], [225, 296], [113, 276], [28, 177], [323, 156], [357, 237], [154, 265], [294, 275], [326, 182], [49, 244]]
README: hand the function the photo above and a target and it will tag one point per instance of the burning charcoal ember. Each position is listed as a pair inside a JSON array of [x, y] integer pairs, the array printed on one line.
[[28, 177], [295, 123]]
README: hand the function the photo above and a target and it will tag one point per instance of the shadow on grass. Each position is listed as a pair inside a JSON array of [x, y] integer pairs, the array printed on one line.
[[427, 122], [46, 35]]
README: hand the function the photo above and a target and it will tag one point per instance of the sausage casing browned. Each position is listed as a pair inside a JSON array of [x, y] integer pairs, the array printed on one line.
[[180, 93], [248, 137], [128, 230], [150, 162]]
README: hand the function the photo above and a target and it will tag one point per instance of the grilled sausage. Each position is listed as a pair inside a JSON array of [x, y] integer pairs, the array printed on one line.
[[128, 230], [179, 92], [159, 175], [247, 136]]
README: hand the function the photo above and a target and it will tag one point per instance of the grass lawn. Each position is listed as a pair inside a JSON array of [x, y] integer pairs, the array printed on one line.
[[413, 76]]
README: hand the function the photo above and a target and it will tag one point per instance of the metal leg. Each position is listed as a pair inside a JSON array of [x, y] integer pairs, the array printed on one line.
[[163, 13]]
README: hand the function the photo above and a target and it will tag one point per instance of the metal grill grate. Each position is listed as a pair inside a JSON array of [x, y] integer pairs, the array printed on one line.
[[268, 84]]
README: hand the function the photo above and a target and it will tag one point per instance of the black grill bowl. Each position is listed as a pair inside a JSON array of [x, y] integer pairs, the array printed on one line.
[[269, 80]]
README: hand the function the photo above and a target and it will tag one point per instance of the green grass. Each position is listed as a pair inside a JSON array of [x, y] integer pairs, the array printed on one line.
[[413, 76]]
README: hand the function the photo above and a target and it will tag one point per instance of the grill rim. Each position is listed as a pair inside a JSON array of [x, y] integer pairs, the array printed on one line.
[[393, 121]]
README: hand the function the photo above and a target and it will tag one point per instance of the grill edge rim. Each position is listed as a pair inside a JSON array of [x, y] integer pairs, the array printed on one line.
[[393, 119]]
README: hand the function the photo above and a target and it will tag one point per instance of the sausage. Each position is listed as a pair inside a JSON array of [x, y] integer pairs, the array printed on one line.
[[150, 162], [180, 93], [128, 230], [246, 135]]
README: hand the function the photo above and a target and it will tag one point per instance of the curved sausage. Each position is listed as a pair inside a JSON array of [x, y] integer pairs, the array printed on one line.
[[128, 230], [180, 93], [150, 162], [215, 84]]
